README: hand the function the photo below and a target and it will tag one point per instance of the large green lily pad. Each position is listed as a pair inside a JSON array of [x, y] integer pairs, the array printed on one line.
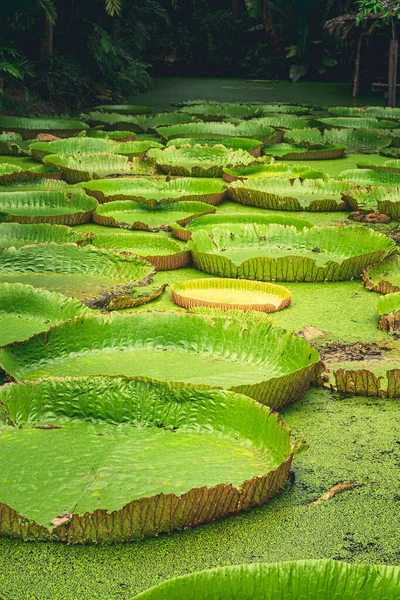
[[356, 123], [243, 352], [199, 161], [158, 249], [383, 278], [31, 127], [228, 294], [10, 174], [252, 146], [392, 166], [15, 234], [234, 222], [85, 145], [99, 278], [84, 167], [312, 152], [25, 311], [125, 109], [356, 140], [389, 309], [155, 192], [275, 169], [384, 112], [305, 580], [111, 447], [136, 215], [385, 200], [370, 177], [135, 123], [212, 111], [276, 252], [11, 145], [255, 129], [276, 193], [47, 206]]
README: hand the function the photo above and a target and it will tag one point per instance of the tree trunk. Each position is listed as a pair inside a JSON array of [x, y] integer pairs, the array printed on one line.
[[237, 8], [356, 78], [271, 33], [392, 75], [46, 43]]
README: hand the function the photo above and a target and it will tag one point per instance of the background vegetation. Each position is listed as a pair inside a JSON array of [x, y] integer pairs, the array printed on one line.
[[68, 54]]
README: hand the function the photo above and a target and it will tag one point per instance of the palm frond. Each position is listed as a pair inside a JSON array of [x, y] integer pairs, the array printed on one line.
[[113, 7], [49, 9]]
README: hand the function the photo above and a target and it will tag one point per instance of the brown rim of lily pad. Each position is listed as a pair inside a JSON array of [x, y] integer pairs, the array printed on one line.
[[363, 382], [390, 322], [261, 296], [377, 277]]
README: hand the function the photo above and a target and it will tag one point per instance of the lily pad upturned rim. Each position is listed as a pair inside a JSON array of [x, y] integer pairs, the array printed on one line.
[[184, 294], [52, 307], [377, 277], [311, 152], [83, 213], [150, 515], [308, 579], [290, 172], [29, 127], [388, 307], [109, 221], [40, 233], [202, 328], [77, 173]]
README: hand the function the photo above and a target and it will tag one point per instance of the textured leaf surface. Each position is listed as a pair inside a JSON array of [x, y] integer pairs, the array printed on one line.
[[96, 277], [244, 352], [25, 311], [255, 128], [312, 152], [370, 177], [15, 234], [217, 112], [385, 200], [384, 278], [276, 252], [10, 145], [228, 294], [389, 308], [136, 215], [154, 192], [305, 580], [111, 448], [137, 123], [252, 146], [29, 127], [88, 166], [263, 171], [45, 206], [276, 193], [356, 123]]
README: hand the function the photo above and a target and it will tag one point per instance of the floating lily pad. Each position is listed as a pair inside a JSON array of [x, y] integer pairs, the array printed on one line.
[[31, 127], [312, 152], [275, 193], [136, 215], [135, 123], [383, 112], [15, 234], [392, 166], [384, 200], [383, 278], [25, 311], [308, 580], [84, 167], [243, 352], [288, 109], [275, 252], [126, 136], [356, 123], [98, 278], [85, 145], [281, 121], [263, 171], [233, 222], [11, 145], [254, 129], [370, 177], [389, 308], [158, 249], [212, 111], [110, 446], [47, 206], [154, 193], [228, 294], [199, 161], [252, 146], [10, 173], [125, 109], [356, 140]]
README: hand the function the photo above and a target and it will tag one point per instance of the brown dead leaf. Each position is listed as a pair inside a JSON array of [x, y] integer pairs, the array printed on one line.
[[309, 332], [47, 137], [333, 491], [61, 519], [48, 426]]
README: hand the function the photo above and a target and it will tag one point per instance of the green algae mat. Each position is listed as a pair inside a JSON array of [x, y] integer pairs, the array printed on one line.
[[308, 580], [111, 448], [229, 350], [99, 278]]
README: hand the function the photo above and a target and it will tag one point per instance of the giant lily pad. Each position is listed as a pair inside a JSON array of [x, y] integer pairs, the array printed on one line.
[[212, 111], [233, 222], [252, 146], [392, 166], [355, 140], [370, 177], [262, 171], [118, 136], [47, 206], [228, 294], [84, 145], [243, 352], [154, 192], [356, 123], [381, 112], [199, 161], [136, 123], [99, 278], [25, 311], [254, 129], [31, 127], [312, 152], [125, 109], [15, 234], [10, 173], [110, 445], [276, 252], [383, 278], [84, 167], [385, 200], [158, 249], [389, 308], [136, 215], [275, 193], [11, 145], [305, 580]]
